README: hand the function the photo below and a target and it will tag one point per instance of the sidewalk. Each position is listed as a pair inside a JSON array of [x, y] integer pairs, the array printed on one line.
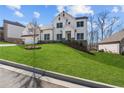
[[4, 45]]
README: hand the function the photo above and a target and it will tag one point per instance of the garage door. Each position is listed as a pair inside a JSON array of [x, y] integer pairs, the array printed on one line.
[[114, 48], [28, 41]]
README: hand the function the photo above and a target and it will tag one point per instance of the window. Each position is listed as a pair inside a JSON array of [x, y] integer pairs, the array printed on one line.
[[59, 18], [80, 36], [80, 24], [59, 36], [66, 20], [69, 23], [63, 14], [30, 30], [46, 36], [59, 25]]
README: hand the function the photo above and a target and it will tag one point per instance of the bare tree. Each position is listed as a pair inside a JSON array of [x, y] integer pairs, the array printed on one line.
[[93, 32], [35, 27], [33, 80], [102, 22], [106, 24], [101, 26], [91, 37]]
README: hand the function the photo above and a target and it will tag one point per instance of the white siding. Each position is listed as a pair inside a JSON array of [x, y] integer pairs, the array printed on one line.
[[26, 31], [114, 48], [66, 26], [82, 29], [47, 31], [53, 30], [14, 31], [69, 27]]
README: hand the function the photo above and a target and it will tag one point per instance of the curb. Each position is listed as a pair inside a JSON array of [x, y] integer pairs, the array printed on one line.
[[72, 79]]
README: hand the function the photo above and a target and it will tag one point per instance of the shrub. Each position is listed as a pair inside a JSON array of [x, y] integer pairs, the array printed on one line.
[[122, 53], [102, 50]]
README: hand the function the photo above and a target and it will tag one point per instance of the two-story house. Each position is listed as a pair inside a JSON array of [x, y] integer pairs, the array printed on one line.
[[63, 27]]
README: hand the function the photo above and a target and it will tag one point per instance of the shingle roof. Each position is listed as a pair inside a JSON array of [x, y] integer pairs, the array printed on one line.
[[29, 35], [46, 27], [84, 17], [14, 23], [118, 36]]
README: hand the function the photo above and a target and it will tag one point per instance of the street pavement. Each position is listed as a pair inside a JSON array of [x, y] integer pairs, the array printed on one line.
[[11, 77]]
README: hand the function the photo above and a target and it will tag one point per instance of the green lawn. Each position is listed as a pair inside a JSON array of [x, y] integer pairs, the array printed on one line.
[[3, 42], [103, 67]]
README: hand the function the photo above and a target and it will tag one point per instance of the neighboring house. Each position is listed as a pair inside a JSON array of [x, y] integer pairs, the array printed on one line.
[[63, 27], [12, 31], [114, 43], [28, 35], [1, 33]]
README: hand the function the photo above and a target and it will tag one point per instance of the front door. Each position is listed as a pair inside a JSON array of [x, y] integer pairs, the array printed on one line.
[[68, 35]]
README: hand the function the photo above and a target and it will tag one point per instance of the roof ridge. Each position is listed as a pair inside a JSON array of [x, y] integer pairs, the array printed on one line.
[[13, 22]]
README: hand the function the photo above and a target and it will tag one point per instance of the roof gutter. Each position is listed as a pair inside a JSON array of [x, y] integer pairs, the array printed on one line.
[[109, 42]]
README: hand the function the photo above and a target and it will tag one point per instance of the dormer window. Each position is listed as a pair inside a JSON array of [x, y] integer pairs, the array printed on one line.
[[30, 30]]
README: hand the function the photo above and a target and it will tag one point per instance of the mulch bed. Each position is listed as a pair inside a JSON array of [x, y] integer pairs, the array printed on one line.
[[30, 47]]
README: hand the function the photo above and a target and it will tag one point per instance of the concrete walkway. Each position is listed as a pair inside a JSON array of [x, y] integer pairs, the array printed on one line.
[[5, 45], [14, 77]]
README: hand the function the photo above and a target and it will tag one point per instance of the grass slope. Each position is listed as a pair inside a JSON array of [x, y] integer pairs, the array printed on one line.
[[3, 42], [103, 67]]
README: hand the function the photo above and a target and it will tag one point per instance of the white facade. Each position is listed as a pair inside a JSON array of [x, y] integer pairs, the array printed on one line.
[[63, 27], [47, 31], [69, 26], [28, 34], [113, 48]]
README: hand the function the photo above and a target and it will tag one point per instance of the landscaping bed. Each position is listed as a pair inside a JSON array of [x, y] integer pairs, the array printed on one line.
[[30, 47]]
